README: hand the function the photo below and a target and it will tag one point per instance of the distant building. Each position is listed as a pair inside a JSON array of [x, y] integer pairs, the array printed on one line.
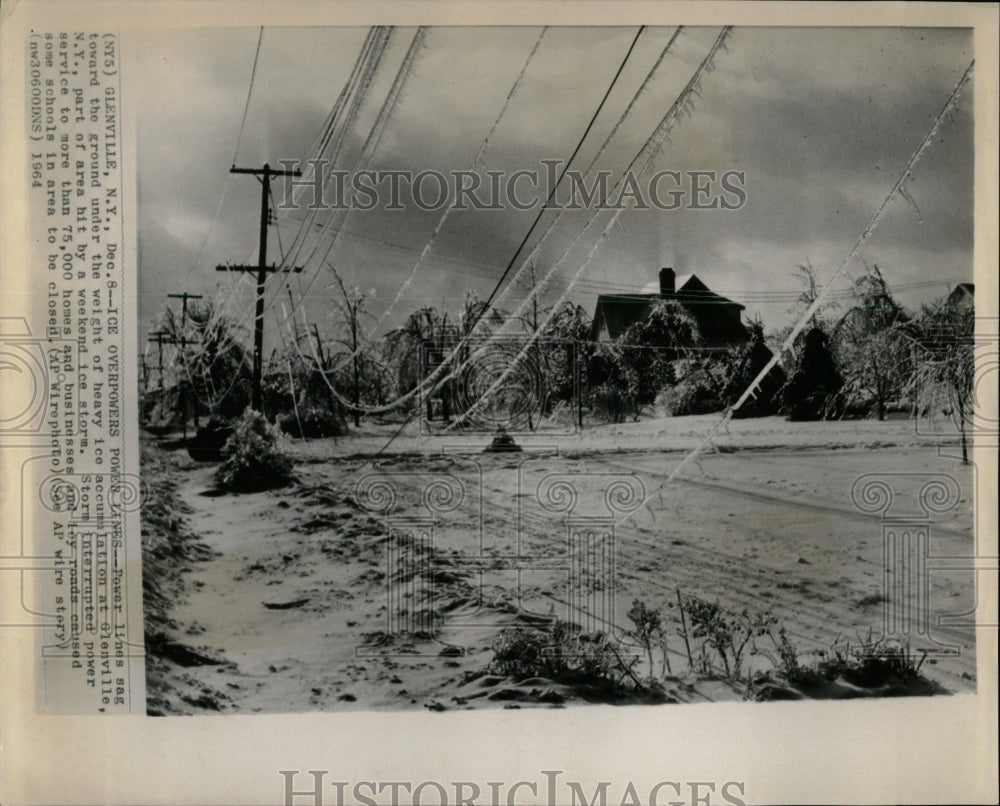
[[718, 318], [963, 294]]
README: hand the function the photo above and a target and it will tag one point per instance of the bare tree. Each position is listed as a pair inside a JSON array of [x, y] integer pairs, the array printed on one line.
[[417, 347], [212, 365], [572, 351], [350, 307], [805, 273], [944, 367], [871, 344]]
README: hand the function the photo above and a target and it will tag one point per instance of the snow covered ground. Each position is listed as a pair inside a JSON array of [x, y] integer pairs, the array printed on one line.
[[293, 606]]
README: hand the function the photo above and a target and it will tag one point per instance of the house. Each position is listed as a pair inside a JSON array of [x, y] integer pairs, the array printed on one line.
[[718, 318], [963, 294]]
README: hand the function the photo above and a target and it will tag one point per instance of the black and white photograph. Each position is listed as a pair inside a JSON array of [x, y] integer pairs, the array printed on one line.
[[563, 403], [545, 367]]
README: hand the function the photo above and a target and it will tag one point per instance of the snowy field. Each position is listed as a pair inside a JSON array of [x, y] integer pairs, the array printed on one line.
[[292, 600]]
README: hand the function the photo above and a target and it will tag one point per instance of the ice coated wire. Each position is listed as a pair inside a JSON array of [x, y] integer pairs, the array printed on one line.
[[357, 102], [444, 217], [650, 149], [476, 162], [786, 346], [221, 311], [319, 142], [372, 59], [318, 145], [343, 120], [291, 377], [433, 380], [499, 288], [427, 248], [540, 284], [334, 124], [479, 160], [374, 138], [375, 135], [366, 63]]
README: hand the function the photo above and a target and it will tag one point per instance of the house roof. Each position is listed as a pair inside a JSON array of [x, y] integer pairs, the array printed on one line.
[[617, 311], [680, 281]]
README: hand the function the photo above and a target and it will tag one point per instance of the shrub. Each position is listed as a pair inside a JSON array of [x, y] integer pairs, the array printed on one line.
[[874, 661], [649, 631], [875, 666], [254, 458], [313, 420], [748, 362], [698, 391], [610, 404], [520, 651], [727, 632], [647, 348], [813, 391], [688, 397], [784, 656], [563, 652]]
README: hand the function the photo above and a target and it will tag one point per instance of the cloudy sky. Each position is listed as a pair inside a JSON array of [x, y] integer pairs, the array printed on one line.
[[821, 122]]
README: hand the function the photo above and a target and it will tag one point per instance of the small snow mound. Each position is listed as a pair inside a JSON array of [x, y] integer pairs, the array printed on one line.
[[502, 443]]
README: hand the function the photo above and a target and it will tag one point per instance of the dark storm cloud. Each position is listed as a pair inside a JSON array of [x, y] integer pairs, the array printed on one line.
[[821, 120]]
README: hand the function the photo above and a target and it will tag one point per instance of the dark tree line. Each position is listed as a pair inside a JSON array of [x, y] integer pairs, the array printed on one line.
[[874, 358]]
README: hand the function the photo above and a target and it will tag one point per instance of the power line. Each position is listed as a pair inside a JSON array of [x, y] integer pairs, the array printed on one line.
[[467, 267], [424, 252], [642, 87], [362, 88], [555, 186], [246, 107], [660, 131], [372, 141], [650, 149], [600, 152], [786, 347], [382, 118], [365, 66], [225, 187], [485, 307]]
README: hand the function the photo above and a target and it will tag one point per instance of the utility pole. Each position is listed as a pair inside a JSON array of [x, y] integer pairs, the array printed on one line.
[[291, 310], [264, 177], [159, 337], [319, 348], [181, 400], [184, 305], [183, 344], [258, 328]]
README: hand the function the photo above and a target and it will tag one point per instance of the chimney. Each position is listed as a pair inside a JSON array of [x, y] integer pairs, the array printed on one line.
[[666, 282]]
